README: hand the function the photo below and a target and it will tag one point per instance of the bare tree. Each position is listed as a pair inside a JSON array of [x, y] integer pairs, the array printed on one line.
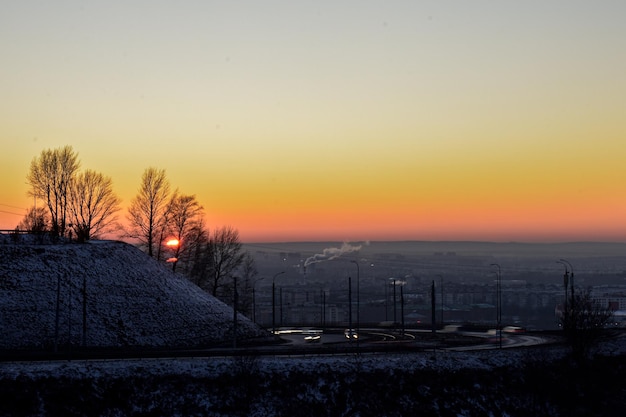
[[246, 285], [93, 204], [196, 239], [583, 321], [184, 222], [217, 261], [50, 178], [147, 212], [197, 270], [36, 220]]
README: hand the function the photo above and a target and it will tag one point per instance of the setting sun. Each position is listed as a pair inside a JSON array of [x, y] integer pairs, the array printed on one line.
[[172, 243]]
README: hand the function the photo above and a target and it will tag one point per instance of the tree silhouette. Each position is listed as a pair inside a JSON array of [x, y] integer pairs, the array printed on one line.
[[50, 177], [36, 220], [583, 321], [93, 204], [245, 285], [184, 222], [148, 210], [216, 261]]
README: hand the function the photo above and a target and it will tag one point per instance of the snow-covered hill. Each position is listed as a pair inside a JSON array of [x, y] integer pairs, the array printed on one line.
[[130, 300]]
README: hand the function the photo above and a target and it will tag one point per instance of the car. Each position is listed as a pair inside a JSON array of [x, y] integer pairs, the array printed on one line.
[[513, 329], [351, 334], [451, 328], [313, 338]]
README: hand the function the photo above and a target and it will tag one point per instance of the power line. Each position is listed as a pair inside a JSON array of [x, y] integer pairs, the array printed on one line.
[[8, 205], [10, 212]]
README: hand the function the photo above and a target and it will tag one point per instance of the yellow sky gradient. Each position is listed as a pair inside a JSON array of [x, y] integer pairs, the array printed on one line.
[[350, 121]]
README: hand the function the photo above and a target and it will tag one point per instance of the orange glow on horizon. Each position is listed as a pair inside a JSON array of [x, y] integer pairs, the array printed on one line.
[[450, 128]]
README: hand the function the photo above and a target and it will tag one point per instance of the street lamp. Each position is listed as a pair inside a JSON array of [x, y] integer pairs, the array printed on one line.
[[323, 308], [235, 302], [393, 282], [499, 304], [274, 301], [386, 285], [441, 284], [571, 280], [280, 295], [254, 299], [402, 284], [173, 244], [565, 284], [56, 317], [350, 329], [358, 318], [432, 307]]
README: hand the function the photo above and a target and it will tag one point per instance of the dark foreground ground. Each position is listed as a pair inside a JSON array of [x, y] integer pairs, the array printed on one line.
[[532, 382]]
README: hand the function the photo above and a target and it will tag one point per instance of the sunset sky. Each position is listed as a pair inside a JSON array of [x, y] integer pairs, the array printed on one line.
[[332, 120]]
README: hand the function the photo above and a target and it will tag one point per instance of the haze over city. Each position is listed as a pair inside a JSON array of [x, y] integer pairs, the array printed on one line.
[[349, 121]]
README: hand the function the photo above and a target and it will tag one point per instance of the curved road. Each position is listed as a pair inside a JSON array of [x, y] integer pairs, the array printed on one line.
[[380, 337]]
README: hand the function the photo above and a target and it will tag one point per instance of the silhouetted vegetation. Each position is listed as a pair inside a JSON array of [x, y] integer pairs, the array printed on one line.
[[209, 258], [79, 203], [583, 321], [147, 211]]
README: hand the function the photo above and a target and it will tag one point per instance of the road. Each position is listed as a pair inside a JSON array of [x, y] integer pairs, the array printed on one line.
[[373, 338], [332, 341]]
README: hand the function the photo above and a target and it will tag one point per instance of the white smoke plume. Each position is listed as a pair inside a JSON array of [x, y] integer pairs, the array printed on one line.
[[329, 254]]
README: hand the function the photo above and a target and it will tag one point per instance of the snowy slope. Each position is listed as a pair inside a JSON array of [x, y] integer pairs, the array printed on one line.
[[131, 300]]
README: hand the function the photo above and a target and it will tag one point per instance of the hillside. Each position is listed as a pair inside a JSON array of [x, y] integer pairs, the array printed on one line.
[[131, 300]]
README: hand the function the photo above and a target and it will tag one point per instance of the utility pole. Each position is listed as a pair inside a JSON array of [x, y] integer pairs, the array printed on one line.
[[565, 284], [402, 307], [358, 303], [84, 311], [350, 308], [280, 294], [274, 301], [441, 284], [499, 304], [571, 279], [56, 317], [395, 320], [433, 306], [235, 300]]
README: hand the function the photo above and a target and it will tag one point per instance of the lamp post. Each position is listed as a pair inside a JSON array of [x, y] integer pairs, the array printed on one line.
[[350, 308], [499, 304], [84, 294], [393, 282], [254, 299], [322, 308], [571, 280], [565, 284], [441, 285], [402, 306], [358, 304], [433, 302], [58, 310], [235, 301], [386, 300], [274, 301], [280, 295]]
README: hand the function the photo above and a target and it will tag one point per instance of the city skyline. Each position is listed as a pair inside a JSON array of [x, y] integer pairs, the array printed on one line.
[[346, 122]]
